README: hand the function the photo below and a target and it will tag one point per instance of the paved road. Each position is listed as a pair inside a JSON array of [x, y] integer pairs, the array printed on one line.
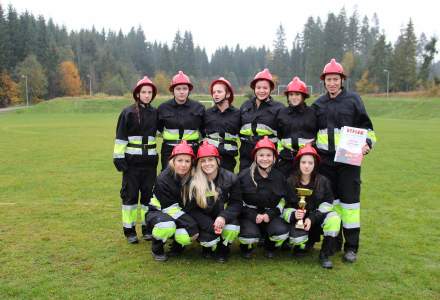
[[11, 108]]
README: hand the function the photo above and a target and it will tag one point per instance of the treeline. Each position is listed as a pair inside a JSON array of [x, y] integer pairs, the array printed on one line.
[[53, 62]]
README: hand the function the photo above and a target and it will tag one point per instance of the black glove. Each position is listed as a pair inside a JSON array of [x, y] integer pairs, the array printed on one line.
[[120, 164]]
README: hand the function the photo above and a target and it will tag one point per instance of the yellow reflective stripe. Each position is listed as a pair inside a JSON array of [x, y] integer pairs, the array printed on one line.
[[133, 151], [281, 204], [119, 149], [337, 135], [170, 134], [302, 142], [144, 211], [322, 139], [164, 230], [263, 129], [372, 136], [350, 215], [129, 215], [246, 129], [331, 224], [151, 140], [174, 211], [191, 135], [287, 214], [231, 137], [182, 237], [136, 139], [286, 143], [155, 202]]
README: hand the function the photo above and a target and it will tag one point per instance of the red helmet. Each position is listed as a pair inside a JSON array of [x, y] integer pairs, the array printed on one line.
[[180, 78], [225, 82], [307, 149], [296, 85], [182, 148], [206, 149], [140, 84], [264, 143], [263, 75], [333, 67]]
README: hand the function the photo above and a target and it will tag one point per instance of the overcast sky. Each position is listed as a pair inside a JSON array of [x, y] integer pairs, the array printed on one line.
[[227, 22]]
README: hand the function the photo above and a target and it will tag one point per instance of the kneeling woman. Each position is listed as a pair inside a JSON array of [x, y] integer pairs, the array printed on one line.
[[318, 215], [264, 190], [214, 202], [167, 217]]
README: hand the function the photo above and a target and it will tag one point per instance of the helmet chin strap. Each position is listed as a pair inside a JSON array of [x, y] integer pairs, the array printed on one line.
[[221, 101], [267, 169]]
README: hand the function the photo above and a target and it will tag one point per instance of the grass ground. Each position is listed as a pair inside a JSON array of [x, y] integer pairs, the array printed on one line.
[[60, 232]]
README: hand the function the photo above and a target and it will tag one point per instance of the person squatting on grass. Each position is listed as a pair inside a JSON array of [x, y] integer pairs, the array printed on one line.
[[296, 125], [214, 201], [258, 116], [222, 122], [180, 118], [135, 156], [166, 216], [335, 109], [318, 215], [264, 192]]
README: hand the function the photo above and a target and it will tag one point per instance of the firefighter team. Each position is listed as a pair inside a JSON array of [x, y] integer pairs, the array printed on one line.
[[282, 150]]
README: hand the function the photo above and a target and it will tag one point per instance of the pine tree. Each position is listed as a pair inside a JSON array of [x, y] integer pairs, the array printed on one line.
[[428, 55], [280, 56]]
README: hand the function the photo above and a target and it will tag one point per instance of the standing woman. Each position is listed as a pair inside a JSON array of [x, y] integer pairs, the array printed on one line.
[[258, 117], [264, 192], [296, 123], [214, 202], [222, 122], [167, 217], [135, 156], [335, 109], [318, 215], [179, 118]]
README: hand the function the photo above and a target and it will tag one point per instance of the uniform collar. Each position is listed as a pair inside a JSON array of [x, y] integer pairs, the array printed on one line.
[[269, 101], [299, 108], [175, 104]]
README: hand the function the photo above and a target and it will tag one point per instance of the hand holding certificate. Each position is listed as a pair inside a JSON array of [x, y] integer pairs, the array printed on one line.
[[349, 150]]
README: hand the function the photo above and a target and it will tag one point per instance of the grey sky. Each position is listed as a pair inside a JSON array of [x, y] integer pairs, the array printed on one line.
[[227, 22]]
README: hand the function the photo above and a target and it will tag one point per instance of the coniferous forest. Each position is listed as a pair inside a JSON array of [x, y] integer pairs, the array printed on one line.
[[54, 61]]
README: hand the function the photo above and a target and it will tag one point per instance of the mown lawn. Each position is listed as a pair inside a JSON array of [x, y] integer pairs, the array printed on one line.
[[60, 231]]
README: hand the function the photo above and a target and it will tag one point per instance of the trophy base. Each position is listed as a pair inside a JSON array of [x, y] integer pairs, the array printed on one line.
[[299, 225]]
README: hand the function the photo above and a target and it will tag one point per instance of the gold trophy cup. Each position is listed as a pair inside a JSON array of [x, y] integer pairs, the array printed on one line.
[[302, 194]]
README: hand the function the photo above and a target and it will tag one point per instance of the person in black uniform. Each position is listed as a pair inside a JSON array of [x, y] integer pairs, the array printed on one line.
[[214, 202], [135, 156], [318, 215], [258, 116], [180, 118], [222, 122], [335, 109], [167, 216], [296, 125], [264, 193]]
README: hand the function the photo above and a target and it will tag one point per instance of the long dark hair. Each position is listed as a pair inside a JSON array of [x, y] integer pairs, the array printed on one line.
[[296, 176]]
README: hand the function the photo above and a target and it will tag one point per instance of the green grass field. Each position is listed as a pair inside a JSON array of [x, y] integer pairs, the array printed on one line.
[[60, 223]]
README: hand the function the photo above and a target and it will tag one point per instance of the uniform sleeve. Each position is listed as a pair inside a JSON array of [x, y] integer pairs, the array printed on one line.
[[325, 201], [291, 202], [160, 121], [202, 122], [235, 202], [363, 121], [121, 139]]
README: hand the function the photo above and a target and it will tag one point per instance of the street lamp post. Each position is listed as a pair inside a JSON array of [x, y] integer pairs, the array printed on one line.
[[26, 84], [90, 84], [388, 80]]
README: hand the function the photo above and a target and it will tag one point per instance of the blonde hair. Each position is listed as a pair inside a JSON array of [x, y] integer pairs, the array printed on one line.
[[183, 180], [200, 187]]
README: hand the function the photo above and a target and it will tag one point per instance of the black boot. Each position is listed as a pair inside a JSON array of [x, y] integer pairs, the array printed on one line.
[[246, 252], [132, 239], [176, 249], [327, 249], [269, 246], [207, 252], [222, 252], [325, 261], [147, 233], [157, 250]]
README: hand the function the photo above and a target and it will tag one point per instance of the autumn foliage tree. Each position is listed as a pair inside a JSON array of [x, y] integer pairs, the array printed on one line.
[[9, 91], [69, 80]]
